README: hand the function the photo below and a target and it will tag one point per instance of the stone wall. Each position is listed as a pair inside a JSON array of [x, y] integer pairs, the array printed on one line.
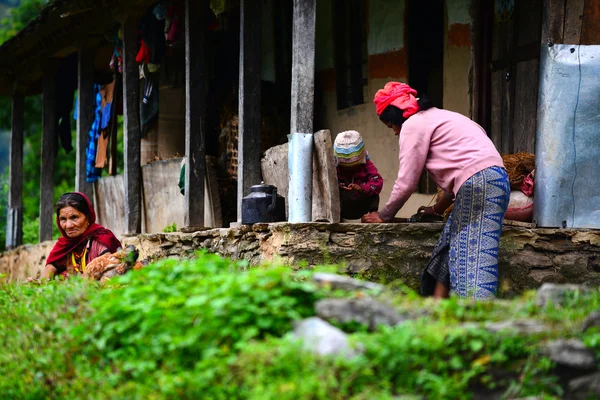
[[528, 257], [386, 252]]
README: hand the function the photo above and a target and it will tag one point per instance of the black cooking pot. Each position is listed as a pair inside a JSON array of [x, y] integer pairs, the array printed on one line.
[[263, 204]]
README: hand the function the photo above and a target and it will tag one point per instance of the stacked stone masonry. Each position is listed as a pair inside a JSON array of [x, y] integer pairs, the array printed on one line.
[[384, 253]]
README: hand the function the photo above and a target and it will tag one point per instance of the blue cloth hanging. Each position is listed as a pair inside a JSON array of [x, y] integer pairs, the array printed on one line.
[[93, 173]]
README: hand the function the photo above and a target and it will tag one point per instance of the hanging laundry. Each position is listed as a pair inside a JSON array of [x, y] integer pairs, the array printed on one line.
[[66, 85], [174, 21], [149, 109], [93, 173], [153, 39], [116, 61]]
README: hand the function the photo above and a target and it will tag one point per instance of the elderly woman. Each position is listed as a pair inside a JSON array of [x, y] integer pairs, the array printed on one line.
[[463, 161], [82, 239]]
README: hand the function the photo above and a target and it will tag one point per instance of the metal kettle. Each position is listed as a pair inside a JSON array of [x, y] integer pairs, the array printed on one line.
[[263, 204]]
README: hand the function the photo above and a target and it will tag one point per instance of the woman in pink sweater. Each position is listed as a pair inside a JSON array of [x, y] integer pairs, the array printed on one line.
[[463, 161]]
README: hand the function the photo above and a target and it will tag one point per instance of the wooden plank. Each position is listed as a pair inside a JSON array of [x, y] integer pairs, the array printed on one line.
[[553, 18], [132, 130], [249, 100], [85, 117], [528, 22], [303, 66], [49, 148], [14, 227], [496, 110], [526, 98], [195, 109], [573, 21], [591, 23]]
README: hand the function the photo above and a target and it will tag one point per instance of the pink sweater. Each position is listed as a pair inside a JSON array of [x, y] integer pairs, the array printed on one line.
[[449, 145]]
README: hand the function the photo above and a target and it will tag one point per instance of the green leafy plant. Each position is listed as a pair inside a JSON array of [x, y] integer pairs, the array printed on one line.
[[170, 228], [212, 328]]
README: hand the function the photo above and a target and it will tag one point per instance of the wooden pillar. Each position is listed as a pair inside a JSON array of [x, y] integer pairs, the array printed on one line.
[[249, 100], [303, 66], [132, 129], [49, 149], [85, 117], [195, 111], [14, 226]]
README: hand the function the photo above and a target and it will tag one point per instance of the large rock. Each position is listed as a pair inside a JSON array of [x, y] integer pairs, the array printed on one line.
[[592, 321], [571, 353], [344, 282], [555, 293], [585, 387], [364, 310], [322, 338], [527, 327]]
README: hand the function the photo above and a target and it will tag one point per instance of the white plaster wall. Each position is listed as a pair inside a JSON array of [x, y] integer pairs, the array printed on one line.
[[386, 26], [459, 11], [458, 62]]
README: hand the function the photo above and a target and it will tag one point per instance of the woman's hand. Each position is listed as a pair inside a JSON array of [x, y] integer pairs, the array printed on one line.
[[372, 218], [429, 211]]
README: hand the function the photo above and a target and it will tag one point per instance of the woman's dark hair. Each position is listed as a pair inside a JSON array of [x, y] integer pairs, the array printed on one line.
[[74, 200], [393, 114]]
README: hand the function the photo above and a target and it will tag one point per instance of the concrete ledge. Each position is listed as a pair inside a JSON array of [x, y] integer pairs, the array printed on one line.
[[381, 252]]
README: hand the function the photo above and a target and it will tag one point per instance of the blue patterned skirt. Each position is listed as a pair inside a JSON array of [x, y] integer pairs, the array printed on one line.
[[465, 257]]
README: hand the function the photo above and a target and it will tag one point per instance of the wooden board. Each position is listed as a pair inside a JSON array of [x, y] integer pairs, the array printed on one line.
[[248, 171], [49, 148], [14, 226], [132, 129], [85, 117], [195, 110]]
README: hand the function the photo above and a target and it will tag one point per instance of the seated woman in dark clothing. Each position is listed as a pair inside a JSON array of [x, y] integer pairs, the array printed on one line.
[[82, 239], [359, 180]]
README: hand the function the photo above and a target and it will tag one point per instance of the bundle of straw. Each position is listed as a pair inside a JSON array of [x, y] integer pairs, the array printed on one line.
[[518, 166]]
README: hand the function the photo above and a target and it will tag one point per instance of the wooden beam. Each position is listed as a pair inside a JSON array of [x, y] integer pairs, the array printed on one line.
[[249, 100], [49, 149], [303, 66], [85, 117], [195, 110], [553, 21], [132, 129], [573, 21], [14, 226], [591, 23]]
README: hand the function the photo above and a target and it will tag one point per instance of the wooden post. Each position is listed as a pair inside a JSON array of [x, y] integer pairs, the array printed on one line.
[[303, 66], [49, 148], [14, 226], [132, 129], [249, 100], [195, 111], [85, 117]]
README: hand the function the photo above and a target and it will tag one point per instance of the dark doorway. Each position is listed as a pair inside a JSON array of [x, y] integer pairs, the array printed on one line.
[[425, 40]]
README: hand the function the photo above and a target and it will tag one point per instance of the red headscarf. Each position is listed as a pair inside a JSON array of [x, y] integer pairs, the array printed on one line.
[[65, 245], [399, 95]]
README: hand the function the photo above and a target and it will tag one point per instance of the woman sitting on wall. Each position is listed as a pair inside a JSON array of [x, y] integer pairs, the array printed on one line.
[[463, 161], [82, 239]]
